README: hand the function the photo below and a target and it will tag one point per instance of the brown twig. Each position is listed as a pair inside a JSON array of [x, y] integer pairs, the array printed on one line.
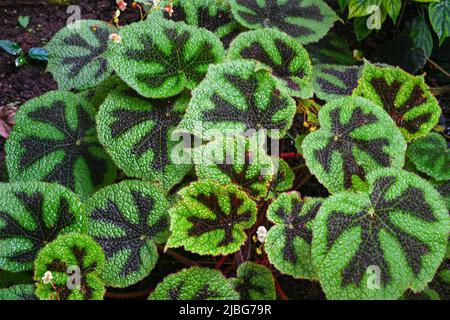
[[180, 258], [435, 65], [128, 295], [437, 91]]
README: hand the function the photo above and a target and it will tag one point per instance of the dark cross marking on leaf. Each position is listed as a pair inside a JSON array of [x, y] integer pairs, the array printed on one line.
[[282, 70], [73, 145], [295, 225], [252, 117], [156, 139], [42, 233], [178, 13], [175, 63], [63, 292], [245, 284], [388, 94], [372, 221], [343, 142], [77, 63], [136, 233], [349, 78], [222, 221], [439, 284], [203, 294], [273, 14]]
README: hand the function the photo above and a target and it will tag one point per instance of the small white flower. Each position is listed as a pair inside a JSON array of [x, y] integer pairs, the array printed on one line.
[[261, 233], [48, 277], [116, 38]]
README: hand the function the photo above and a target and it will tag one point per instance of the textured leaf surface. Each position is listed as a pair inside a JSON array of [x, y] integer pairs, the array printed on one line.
[[377, 244], [283, 179], [211, 218], [238, 96], [76, 55], [430, 155], [406, 98], [31, 215], [195, 284], [254, 282], [305, 20], [137, 133], [61, 257], [441, 282], [288, 242], [287, 59], [439, 13], [331, 49], [18, 292], [127, 219], [159, 58], [331, 82], [96, 96], [55, 140], [355, 136]]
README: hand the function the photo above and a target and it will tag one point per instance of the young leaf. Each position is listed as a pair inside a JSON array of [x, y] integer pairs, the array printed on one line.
[[254, 282], [39, 54], [331, 49], [355, 136], [195, 284], [127, 219], [282, 180], [31, 215], [430, 155], [406, 98], [392, 8], [10, 47], [18, 292], [331, 82], [305, 20], [288, 242], [439, 13], [288, 60], [236, 160], [137, 133], [377, 244], [160, 58], [211, 218], [55, 140], [76, 55], [23, 21], [360, 8], [75, 262], [238, 96]]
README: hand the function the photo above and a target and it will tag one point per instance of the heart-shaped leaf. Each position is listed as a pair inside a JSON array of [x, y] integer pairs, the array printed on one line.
[[439, 13], [254, 282], [18, 292]]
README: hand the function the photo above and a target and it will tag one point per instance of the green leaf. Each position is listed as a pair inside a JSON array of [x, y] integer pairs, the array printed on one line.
[[439, 13], [332, 49], [392, 8], [288, 242], [376, 244], [254, 282], [283, 179], [10, 47], [355, 137], [235, 97], [441, 282], [31, 215], [55, 140], [421, 35], [160, 58], [343, 4], [18, 292], [195, 284], [306, 20], [96, 96], [211, 218], [138, 134], [8, 279], [40, 54], [236, 160], [444, 191], [405, 97], [76, 55], [127, 219], [360, 8], [23, 21], [287, 59], [75, 262], [331, 82], [430, 155]]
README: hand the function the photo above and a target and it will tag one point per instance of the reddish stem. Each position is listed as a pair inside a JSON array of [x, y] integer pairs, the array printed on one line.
[[221, 262], [289, 155], [280, 291]]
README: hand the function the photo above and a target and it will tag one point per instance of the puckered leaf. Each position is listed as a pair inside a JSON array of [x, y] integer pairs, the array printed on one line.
[[31, 215], [288, 242], [283, 178], [18, 292], [331, 49], [441, 282], [331, 82], [96, 96], [305, 20], [377, 244], [238, 96], [211, 218], [355, 136], [406, 98], [195, 284], [75, 262], [76, 55], [430, 155], [254, 282], [127, 219], [287, 59], [55, 140], [137, 133], [444, 190], [236, 160], [160, 58]]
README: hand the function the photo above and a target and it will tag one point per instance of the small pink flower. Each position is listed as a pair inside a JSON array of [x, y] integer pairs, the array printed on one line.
[[116, 38], [7, 114], [121, 4], [169, 9]]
